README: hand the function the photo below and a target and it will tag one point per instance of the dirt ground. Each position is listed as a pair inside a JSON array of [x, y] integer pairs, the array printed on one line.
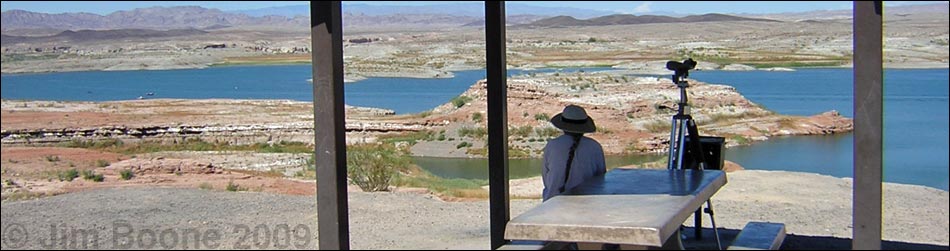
[[35, 171]]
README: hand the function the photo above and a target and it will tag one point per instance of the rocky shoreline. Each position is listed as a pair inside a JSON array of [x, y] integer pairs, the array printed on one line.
[[236, 121]]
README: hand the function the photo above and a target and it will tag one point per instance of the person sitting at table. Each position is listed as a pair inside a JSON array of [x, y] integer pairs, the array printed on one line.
[[572, 158]]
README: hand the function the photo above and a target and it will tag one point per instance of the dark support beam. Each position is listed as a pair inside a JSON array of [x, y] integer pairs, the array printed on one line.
[[497, 120], [329, 124], [868, 124]]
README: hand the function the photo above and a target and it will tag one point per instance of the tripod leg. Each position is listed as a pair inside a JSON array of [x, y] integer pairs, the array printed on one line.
[[681, 143], [696, 151], [712, 218], [698, 223], [670, 162]]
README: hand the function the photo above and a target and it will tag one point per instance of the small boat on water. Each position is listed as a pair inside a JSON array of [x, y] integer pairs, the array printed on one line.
[[150, 94]]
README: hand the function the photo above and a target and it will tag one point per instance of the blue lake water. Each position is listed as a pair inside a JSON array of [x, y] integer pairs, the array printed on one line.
[[916, 122], [916, 109], [403, 95]]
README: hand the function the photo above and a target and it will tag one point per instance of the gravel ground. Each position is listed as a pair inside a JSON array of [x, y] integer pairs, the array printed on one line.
[[377, 220], [134, 218]]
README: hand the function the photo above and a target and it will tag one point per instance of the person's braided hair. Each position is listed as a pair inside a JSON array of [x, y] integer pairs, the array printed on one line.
[[570, 158]]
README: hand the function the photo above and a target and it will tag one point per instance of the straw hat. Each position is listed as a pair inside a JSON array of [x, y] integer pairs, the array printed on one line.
[[574, 119]]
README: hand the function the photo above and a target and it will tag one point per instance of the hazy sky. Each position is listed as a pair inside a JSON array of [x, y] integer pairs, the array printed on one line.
[[631, 7]]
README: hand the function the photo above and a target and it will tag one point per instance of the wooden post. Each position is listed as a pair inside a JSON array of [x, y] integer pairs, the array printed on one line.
[[868, 124], [329, 124], [497, 120]]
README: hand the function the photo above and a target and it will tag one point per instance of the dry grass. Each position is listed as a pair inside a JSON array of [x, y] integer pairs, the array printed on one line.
[[658, 126]]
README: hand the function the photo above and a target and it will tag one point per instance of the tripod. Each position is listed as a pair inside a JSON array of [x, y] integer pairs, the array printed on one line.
[[684, 126]]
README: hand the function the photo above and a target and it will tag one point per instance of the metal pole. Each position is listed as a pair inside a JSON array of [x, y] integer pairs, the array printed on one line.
[[868, 124], [497, 120], [329, 124]]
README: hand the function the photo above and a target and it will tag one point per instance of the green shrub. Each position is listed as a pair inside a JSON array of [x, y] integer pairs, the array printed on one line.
[[126, 174], [547, 132], [52, 158], [463, 144], [521, 131], [739, 139], [372, 167], [102, 163], [460, 101], [68, 175], [411, 137], [542, 117], [477, 117], [234, 187], [100, 144], [604, 130], [90, 175], [477, 132]]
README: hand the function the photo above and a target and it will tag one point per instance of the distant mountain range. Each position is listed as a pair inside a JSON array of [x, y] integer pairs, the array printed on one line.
[[513, 8], [454, 9], [846, 14], [193, 17], [445, 15], [95, 35], [621, 19], [143, 18]]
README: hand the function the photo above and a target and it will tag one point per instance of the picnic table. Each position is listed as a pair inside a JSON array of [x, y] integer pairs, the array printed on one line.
[[632, 207]]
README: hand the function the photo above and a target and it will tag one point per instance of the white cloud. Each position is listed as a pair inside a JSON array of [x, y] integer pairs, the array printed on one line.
[[644, 7]]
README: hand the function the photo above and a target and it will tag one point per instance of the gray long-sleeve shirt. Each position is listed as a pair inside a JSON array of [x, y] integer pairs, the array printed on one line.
[[588, 162]]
